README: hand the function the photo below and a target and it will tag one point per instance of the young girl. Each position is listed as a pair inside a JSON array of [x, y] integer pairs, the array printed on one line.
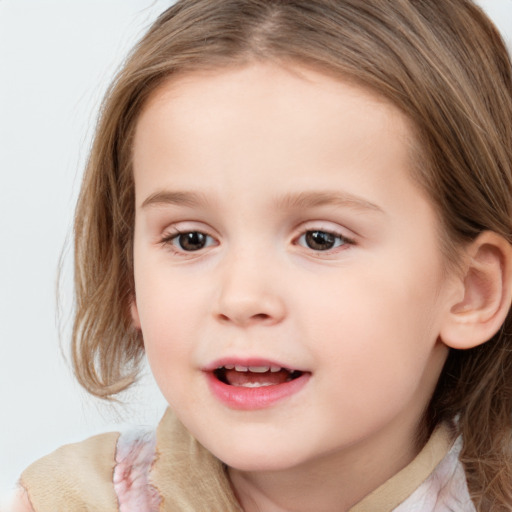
[[301, 213]]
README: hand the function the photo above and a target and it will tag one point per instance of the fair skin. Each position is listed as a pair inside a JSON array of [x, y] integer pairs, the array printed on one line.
[[277, 220]]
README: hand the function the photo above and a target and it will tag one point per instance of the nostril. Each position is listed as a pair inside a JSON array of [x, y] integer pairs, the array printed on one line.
[[260, 316], [256, 318]]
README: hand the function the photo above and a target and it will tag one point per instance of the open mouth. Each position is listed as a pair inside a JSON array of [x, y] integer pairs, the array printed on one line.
[[254, 385], [255, 376]]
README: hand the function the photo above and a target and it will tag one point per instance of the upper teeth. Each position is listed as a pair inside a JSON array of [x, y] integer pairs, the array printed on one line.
[[255, 369]]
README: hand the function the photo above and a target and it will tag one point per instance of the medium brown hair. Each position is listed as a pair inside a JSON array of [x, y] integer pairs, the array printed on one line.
[[442, 63]]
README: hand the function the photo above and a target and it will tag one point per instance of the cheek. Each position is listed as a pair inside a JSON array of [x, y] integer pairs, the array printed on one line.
[[375, 323], [168, 335], [168, 299], [379, 347], [168, 309]]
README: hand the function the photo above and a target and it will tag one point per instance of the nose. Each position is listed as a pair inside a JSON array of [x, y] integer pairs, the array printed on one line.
[[249, 293]]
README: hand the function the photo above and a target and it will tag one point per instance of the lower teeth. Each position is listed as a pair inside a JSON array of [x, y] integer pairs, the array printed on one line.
[[253, 385]]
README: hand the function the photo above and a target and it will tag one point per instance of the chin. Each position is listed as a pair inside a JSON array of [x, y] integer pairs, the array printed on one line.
[[253, 443], [255, 456]]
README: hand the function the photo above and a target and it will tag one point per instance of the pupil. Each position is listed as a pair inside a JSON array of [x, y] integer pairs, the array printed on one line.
[[319, 240], [192, 241]]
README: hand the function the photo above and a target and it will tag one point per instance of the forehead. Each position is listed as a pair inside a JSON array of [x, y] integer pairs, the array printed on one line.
[[244, 124], [281, 86]]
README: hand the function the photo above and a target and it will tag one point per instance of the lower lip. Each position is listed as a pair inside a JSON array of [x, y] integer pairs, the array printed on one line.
[[239, 397]]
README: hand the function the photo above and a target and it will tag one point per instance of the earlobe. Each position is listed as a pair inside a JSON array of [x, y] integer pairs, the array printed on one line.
[[135, 314], [487, 293]]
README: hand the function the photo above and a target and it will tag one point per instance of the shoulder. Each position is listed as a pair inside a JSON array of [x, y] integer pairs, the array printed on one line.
[[138, 470], [18, 502], [74, 476]]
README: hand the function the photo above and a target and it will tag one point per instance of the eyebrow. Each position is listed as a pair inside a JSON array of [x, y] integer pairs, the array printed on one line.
[[292, 201], [179, 198], [305, 200]]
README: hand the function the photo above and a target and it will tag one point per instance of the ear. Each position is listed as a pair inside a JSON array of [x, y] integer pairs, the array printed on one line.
[[486, 291], [134, 311]]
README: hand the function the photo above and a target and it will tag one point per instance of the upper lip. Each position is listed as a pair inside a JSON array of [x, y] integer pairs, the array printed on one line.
[[249, 362]]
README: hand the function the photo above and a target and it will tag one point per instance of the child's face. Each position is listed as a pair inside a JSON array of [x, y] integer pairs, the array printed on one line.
[[277, 225]]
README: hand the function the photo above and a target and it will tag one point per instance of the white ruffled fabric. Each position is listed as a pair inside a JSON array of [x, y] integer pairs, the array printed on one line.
[[134, 458], [445, 490]]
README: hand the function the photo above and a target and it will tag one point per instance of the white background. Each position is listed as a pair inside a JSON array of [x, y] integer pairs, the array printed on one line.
[[56, 59]]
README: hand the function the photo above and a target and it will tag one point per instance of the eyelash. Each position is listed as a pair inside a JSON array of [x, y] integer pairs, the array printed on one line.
[[168, 241], [337, 238]]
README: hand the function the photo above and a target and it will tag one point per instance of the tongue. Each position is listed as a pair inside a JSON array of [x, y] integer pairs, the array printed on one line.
[[246, 378]]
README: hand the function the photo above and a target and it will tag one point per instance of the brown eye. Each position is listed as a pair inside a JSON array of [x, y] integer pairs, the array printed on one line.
[[321, 240], [191, 241]]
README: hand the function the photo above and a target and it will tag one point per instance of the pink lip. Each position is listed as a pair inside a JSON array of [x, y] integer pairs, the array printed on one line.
[[243, 398]]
